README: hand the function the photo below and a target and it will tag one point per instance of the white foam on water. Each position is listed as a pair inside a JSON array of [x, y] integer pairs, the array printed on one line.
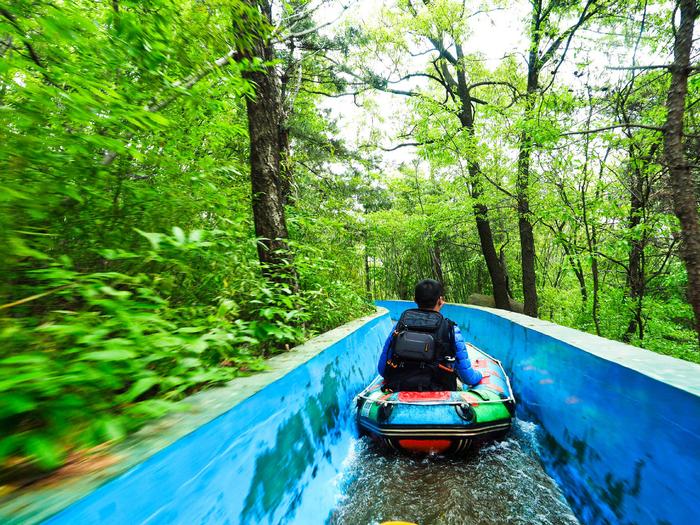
[[502, 482]]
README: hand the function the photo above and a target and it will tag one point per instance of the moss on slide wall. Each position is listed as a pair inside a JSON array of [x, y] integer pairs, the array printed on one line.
[[280, 470]]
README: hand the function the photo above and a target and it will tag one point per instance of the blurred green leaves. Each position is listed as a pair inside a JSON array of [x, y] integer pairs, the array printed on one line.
[[128, 266], [106, 351]]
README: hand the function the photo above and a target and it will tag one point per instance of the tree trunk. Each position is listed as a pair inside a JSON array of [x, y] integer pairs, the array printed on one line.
[[481, 211], [266, 173], [635, 273], [596, 279], [577, 269], [527, 256], [284, 181], [502, 260], [522, 185], [539, 24], [680, 179], [437, 262], [527, 237], [403, 290], [498, 278], [368, 285], [592, 242]]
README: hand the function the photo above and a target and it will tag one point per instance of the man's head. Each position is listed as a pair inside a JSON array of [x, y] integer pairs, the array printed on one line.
[[429, 294]]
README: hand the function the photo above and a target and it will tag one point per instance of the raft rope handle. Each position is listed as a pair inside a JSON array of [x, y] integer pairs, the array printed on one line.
[[510, 389], [427, 403]]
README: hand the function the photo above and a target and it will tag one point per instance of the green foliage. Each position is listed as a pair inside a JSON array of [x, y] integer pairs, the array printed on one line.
[[128, 266], [606, 238], [93, 355], [129, 270], [88, 368]]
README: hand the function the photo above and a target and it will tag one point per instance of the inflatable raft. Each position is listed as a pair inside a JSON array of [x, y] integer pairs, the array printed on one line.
[[440, 422]]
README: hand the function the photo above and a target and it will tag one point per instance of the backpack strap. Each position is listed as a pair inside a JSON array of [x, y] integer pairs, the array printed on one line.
[[448, 338], [400, 327]]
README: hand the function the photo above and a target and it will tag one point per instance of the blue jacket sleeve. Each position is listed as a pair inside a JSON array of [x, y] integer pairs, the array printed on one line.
[[385, 353], [463, 366]]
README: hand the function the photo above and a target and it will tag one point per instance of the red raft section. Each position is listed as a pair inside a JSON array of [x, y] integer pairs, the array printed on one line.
[[426, 446]]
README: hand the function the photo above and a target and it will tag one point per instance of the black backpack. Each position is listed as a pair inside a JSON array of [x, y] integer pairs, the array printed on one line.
[[422, 353]]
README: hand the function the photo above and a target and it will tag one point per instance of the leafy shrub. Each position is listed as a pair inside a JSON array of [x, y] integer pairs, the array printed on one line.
[[92, 356]]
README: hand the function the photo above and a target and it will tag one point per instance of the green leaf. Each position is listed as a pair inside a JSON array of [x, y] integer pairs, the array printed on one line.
[[108, 290], [195, 236], [190, 329], [46, 451], [16, 403], [13, 380], [111, 429], [25, 359], [179, 234], [9, 446], [191, 362], [109, 355], [152, 408], [21, 249], [153, 238], [139, 387]]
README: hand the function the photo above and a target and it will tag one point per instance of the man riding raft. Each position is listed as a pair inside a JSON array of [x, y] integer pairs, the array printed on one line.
[[425, 351]]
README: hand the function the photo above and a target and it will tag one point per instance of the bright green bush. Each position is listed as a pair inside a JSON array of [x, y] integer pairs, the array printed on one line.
[[108, 314], [92, 356]]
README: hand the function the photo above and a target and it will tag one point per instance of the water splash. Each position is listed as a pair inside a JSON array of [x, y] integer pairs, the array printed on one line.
[[503, 482]]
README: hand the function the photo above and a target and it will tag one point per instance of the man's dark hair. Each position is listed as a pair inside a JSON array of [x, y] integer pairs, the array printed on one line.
[[428, 291]]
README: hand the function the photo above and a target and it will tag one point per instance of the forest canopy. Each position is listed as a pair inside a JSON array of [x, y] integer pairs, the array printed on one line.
[[190, 186]]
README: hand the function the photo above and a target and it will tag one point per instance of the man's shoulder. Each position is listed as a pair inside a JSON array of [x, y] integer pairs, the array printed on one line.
[[454, 327], [450, 322]]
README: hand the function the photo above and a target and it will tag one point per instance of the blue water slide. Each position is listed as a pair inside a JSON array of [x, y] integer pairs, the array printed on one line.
[[621, 433]]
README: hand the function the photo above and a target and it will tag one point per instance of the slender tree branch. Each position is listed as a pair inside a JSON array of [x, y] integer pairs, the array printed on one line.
[[334, 95], [447, 75], [567, 36], [569, 33], [414, 75], [33, 55], [667, 256], [440, 48], [497, 185], [401, 145], [615, 126], [34, 297], [668, 67], [316, 28], [494, 83]]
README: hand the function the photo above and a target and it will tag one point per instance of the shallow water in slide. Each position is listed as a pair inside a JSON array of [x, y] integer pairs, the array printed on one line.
[[501, 483]]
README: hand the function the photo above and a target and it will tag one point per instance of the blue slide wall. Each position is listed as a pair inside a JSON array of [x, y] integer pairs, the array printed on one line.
[[270, 458], [622, 424]]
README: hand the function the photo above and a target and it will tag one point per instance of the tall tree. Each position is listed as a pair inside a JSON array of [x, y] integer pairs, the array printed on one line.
[[680, 176], [642, 173], [268, 145], [540, 54], [439, 30], [277, 78]]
